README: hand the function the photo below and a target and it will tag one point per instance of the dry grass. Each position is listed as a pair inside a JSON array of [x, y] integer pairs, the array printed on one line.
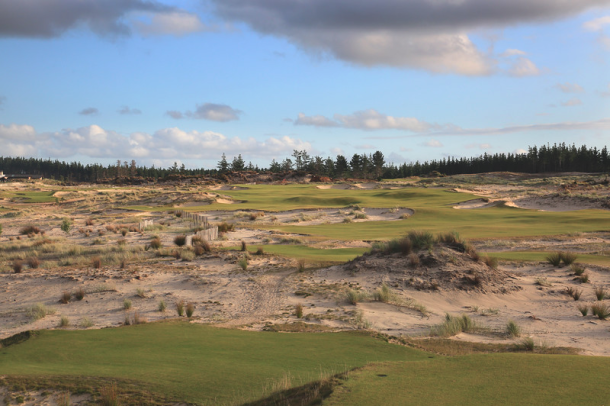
[[96, 262], [190, 309], [65, 297], [298, 310], [180, 308]]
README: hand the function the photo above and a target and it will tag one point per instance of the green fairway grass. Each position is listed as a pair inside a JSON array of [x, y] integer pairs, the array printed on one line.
[[309, 253], [540, 256], [433, 212], [197, 363], [30, 197], [482, 379]]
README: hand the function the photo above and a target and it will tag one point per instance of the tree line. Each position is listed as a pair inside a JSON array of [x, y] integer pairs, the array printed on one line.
[[546, 158]]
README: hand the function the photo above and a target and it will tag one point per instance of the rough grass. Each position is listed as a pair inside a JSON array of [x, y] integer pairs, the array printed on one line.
[[453, 325]]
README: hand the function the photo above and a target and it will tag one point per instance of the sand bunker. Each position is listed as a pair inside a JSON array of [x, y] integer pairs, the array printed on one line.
[[544, 203], [227, 187], [475, 204]]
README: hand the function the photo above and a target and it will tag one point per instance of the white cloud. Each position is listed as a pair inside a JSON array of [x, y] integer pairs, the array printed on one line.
[[396, 158], [523, 67], [569, 87], [89, 111], [209, 111], [169, 143], [512, 52], [177, 23], [520, 151], [572, 102], [365, 120], [432, 143], [174, 114], [597, 24]]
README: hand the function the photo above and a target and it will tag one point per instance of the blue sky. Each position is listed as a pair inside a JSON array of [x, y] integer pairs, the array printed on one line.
[[185, 81]]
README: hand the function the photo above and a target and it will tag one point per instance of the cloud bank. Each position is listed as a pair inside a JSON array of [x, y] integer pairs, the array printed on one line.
[[430, 34], [367, 120]]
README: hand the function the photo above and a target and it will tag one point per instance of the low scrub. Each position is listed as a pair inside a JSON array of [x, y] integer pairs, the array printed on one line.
[[225, 227], [65, 297], [298, 311], [180, 240], [583, 309], [155, 243], [353, 296], [39, 311], [454, 325], [584, 278], [27, 230], [383, 294], [490, 262], [600, 310], [33, 262], [577, 269], [568, 258], [600, 293], [574, 293], [421, 240], [554, 258], [180, 308], [513, 329]]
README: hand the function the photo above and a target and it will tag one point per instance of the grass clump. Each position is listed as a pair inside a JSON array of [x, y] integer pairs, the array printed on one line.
[[66, 225], [577, 269], [383, 294], [526, 344], [244, 246], [33, 262], [584, 278], [421, 240], [298, 310], [155, 243], [96, 262], [574, 293], [180, 308], [600, 293], [27, 230], [190, 309], [554, 258], [568, 258], [17, 266], [65, 297], [79, 294], [453, 325], [243, 263], [162, 306], [353, 296], [361, 216], [64, 321], [583, 309], [126, 304], [39, 311], [86, 322], [180, 240], [491, 262], [513, 329], [601, 310], [187, 255], [109, 395], [225, 227], [301, 265]]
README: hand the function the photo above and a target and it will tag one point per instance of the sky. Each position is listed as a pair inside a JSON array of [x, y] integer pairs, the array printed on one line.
[[186, 81]]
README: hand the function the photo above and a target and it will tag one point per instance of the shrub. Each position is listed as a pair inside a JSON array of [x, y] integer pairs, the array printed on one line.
[[298, 311], [600, 293], [33, 262], [176, 254], [526, 344], [180, 240], [554, 258], [79, 294], [162, 306], [243, 263], [348, 220], [198, 250], [180, 308], [65, 297], [64, 321], [17, 266], [141, 293], [27, 230], [600, 310], [361, 216], [109, 395], [353, 296], [574, 293], [568, 258], [584, 309], [513, 329], [226, 227], [178, 214], [96, 262], [383, 294], [86, 322], [243, 246], [66, 225], [260, 251], [121, 242], [126, 304], [584, 278], [190, 309], [127, 320], [155, 243], [301, 265], [63, 399], [89, 222], [400, 245], [577, 269], [124, 231], [490, 262], [421, 239], [205, 245]]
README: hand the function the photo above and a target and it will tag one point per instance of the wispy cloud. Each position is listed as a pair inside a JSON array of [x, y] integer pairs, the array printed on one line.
[[209, 111], [367, 120], [570, 87], [572, 102], [125, 110], [432, 143]]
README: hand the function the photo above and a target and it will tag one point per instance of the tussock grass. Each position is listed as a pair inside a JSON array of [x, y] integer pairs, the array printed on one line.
[[301, 263], [568, 258], [155, 243], [583, 309], [421, 240], [79, 294], [513, 329], [86, 322], [243, 263], [554, 258], [574, 293], [64, 321], [63, 399], [225, 227], [577, 269], [601, 310], [109, 395], [600, 293], [180, 308], [353, 296], [453, 325], [180, 240], [187, 255], [96, 262], [491, 262], [190, 309], [162, 306], [33, 262], [126, 304], [27, 230], [584, 278], [526, 344], [383, 294], [298, 310], [17, 266], [39, 311], [65, 297]]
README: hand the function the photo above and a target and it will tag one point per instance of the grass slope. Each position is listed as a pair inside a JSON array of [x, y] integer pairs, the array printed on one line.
[[483, 379], [196, 363]]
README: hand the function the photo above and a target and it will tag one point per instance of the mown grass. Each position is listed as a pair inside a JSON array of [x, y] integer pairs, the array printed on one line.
[[196, 363], [541, 256], [480, 379], [30, 197], [433, 212]]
